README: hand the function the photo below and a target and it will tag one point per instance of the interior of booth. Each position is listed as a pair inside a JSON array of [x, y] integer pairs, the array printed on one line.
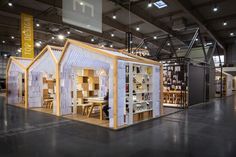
[[89, 95], [224, 81], [43, 92], [175, 89]]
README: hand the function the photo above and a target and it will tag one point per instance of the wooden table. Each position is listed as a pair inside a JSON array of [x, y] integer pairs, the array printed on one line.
[[96, 101]]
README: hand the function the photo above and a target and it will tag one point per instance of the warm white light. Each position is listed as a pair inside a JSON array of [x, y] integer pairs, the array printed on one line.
[[37, 44], [111, 45], [92, 40], [137, 28], [179, 48], [40, 42], [12, 37], [68, 32], [112, 34], [160, 4], [81, 3], [3, 41], [168, 44], [131, 42], [145, 47], [61, 37], [37, 25], [5, 55], [155, 37], [231, 34], [196, 39], [19, 50], [149, 5], [10, 4], [114, 16], [225, 23], [53, 38]]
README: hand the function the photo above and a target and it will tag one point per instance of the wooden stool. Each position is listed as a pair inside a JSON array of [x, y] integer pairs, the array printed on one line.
[[85, 108]]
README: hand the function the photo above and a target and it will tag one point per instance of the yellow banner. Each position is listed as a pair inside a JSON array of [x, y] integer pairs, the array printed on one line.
[[27, 36]]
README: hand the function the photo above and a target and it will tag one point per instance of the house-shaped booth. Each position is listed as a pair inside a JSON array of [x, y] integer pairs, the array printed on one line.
[[15, 80], [41, 91], [93, 81]]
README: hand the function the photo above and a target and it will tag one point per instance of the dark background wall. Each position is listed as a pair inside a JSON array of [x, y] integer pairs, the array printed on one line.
[[230, 57]]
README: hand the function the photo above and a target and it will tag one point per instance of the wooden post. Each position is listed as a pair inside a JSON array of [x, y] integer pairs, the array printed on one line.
[[115, 93], [58, 94]]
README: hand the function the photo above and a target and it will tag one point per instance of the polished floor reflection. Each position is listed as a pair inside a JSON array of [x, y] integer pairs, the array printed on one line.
[[204, 130]]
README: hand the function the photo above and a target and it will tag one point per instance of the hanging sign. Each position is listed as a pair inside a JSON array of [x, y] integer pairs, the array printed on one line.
[[27, 36], [83, 13]]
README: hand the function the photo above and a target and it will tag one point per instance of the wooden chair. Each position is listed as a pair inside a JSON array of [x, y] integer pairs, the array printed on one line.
[[85, 108]]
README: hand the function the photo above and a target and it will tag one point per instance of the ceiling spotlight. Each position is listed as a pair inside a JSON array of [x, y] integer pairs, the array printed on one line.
[[19, 50], [37, 25], [53, 37], [231, 34], [92, 39], [137, 28], [10, 4], [145, 47], [81, 3], [168, 44], [61, 37], [225, 23], [155, 37], [131, 42], [111, 45], [114, 16], [179, 48], [68, 32], [3, 41], [37, 44], [5, 55], [196, 39], [12, 37], [149, 5], [40, 42], [102, 46], [160, 4], [215, 8], [112, 34]]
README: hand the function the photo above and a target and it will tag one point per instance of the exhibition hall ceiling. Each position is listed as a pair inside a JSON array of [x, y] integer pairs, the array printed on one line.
[[175, 22]]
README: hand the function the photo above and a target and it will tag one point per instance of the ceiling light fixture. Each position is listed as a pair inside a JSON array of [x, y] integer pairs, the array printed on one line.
[[12, 37], [196, 39], [149, 4], [168, 44], [81, 3], [160, 4], [215, 8], [61, 37], [112, 34], [225, 23], [111, 45], [10, 4], [137, 28], [5, 55], [155, 37], [3, 41], [53, 37], [114, 16], [92, 39], [37, 44], [19, 50], [68, 32], [145, 47], [231, 34], [37, 25]]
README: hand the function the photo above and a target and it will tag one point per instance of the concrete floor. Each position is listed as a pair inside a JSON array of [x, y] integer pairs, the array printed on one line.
[[207, 130]]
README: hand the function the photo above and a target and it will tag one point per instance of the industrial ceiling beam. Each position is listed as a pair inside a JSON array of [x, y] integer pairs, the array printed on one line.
[[186, 6]]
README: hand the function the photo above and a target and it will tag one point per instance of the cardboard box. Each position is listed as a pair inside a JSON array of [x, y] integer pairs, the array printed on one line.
[[79, 94], [88, 72]]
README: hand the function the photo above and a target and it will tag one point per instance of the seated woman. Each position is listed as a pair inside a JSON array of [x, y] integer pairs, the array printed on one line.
[[106, 107]]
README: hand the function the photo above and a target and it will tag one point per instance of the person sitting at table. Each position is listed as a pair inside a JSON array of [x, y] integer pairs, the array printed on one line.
[[106, 107]]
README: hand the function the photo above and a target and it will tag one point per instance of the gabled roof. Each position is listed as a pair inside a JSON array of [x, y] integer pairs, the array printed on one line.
[[21, 62], [111, 53], [54, 51]]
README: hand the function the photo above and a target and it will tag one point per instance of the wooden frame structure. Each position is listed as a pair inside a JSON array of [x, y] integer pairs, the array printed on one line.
[[22, 63], [115, 58], [55, 58]]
